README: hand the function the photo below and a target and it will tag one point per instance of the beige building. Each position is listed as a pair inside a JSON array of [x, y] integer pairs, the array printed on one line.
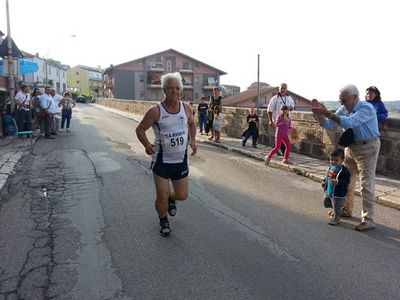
[[86, 80]]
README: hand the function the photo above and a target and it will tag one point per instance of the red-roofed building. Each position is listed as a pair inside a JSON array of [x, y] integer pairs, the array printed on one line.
[[139, 79], [248, 99]]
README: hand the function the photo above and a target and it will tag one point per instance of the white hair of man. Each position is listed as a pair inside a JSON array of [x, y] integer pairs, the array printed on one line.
[[171, 76], [351, 89]]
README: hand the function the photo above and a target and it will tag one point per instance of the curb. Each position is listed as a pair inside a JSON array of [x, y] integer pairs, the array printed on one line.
[[383, 199]]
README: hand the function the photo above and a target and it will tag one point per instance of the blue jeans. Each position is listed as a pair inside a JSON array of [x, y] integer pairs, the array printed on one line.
[[66, 114], [202, 121], [337, 204], [250, 133]]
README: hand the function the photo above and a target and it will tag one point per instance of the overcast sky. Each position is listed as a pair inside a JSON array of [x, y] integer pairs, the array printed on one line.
[[314, 46]]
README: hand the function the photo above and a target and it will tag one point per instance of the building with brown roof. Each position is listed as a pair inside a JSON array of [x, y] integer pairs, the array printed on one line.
[[139, 79], [248, 98]]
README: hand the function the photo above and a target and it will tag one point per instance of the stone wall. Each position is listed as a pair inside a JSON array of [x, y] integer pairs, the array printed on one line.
[[314, 141]]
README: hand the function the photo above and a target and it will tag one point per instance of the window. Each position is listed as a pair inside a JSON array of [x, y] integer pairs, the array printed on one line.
[[49, 71], [185, 66], [58, 72], [63, 74], [141, 93], [77, 73], [141, 78], [77, 81], [169, 66]]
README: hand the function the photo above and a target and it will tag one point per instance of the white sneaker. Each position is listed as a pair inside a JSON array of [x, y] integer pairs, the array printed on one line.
[[68, 129], [61, 130]]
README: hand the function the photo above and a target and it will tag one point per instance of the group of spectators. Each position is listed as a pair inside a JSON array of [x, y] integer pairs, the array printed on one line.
[[47, 111], [358, 156], [210, 115]]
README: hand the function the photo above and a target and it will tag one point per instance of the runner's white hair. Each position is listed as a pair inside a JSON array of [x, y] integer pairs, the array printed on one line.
[[351, 89], [172, 76]]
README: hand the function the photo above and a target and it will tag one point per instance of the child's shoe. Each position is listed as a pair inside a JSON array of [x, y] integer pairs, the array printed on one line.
[[287, 162], [267, 160], [335, 221]]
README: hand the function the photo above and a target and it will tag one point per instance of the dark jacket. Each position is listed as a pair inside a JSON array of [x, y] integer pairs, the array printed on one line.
[[381, 111], [343, 177]]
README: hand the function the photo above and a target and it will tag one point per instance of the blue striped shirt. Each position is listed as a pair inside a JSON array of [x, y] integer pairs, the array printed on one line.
[[362, 120]]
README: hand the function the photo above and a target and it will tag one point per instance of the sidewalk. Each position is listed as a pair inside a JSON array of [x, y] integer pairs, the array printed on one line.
[[387, 189], [12, 149]]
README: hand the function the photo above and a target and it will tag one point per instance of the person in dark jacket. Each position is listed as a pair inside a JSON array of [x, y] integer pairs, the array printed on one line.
[[373, 96], [202, 109], [252, 130], [335, 185]]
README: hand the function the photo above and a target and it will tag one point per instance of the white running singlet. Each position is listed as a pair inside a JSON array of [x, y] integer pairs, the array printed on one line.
[[171, 135]]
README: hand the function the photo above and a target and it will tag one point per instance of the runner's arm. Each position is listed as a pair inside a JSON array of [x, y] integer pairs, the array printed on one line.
[[192, 129], [148, 120]]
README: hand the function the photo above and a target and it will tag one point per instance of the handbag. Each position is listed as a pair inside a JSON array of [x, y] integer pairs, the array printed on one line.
[[44, 112], [347, 138]]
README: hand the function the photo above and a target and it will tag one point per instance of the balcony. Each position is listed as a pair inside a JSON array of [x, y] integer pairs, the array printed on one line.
[[209, 87], [154, 85], [188, 87], [155, 68], [185, 70]]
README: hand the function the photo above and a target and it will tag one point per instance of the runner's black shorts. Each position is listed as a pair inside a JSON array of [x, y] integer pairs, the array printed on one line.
[[170, 171]]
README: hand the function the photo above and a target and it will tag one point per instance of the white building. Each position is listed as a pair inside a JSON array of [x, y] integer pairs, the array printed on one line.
[[50, 72]]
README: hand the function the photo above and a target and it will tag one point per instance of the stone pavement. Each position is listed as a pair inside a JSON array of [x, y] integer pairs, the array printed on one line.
[[12, 149]]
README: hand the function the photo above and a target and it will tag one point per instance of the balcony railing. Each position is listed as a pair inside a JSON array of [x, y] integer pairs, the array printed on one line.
[[209, 86], [185, 70], [154, 85], [156, 68]]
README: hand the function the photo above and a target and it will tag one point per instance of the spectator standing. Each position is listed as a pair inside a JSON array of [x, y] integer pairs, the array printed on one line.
[[215, 101], [202, 113], [56, 111], [283, 126], [252, 130], [335, 185], [274, 106], [67, 105], [45, 103], [373, 96], [217, 124], [35, 104], [23, 111], [361, 155]]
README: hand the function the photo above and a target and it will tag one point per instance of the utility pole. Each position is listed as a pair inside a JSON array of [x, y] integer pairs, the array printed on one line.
[[11, 84], [258, 87]]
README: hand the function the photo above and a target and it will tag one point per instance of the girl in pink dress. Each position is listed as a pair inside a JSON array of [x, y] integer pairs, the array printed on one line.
[[283, 128]]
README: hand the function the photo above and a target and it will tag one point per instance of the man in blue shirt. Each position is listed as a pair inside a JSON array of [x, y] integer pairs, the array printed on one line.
[[46, 101], [362, 155]]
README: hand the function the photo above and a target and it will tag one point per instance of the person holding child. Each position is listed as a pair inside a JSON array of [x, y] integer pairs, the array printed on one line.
[[335, 185], [217, 123], [283, 127]]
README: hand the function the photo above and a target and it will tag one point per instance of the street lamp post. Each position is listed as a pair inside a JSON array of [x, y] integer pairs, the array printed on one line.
[[11, 84], [47, 58]]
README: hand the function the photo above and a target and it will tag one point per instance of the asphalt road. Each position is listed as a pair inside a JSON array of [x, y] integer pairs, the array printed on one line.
[[246, 232]]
